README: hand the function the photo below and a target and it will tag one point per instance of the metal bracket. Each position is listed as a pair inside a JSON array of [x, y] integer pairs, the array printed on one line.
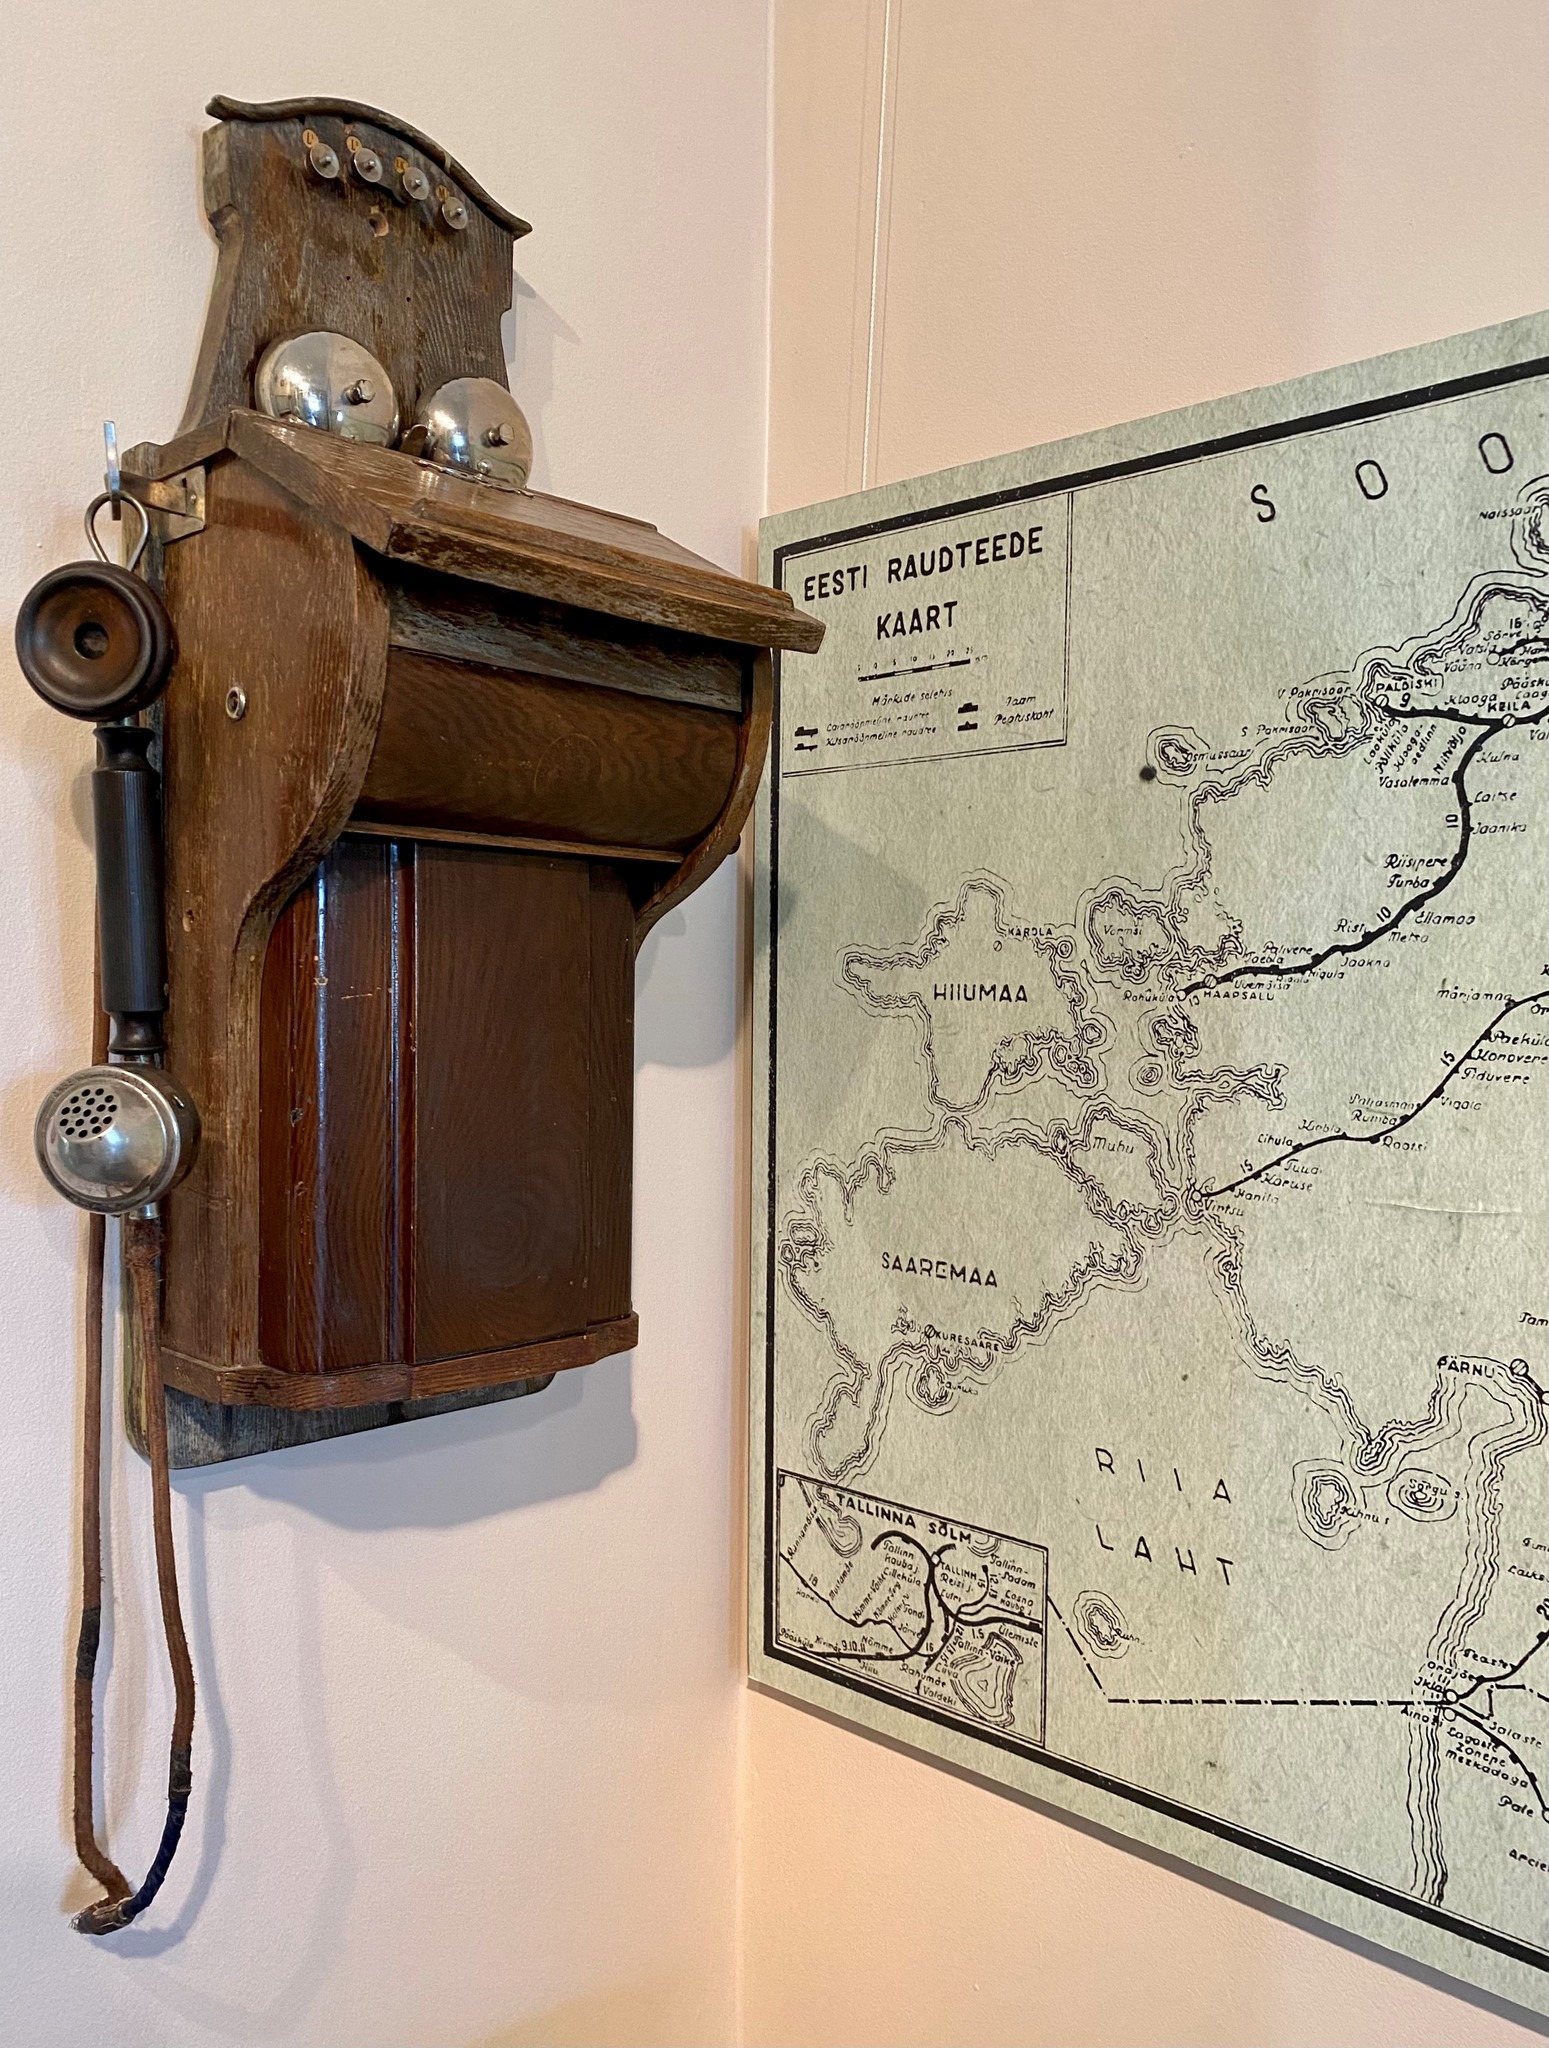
[[175, 504]]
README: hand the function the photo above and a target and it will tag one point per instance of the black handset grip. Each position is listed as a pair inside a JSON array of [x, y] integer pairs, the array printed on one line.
[[132, 942]]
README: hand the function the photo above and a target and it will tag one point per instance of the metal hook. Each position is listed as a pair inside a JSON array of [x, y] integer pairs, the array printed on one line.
[[106, 498], [113, 476]]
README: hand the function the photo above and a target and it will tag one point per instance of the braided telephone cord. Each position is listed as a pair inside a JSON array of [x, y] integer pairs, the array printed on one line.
[[121, 1903]]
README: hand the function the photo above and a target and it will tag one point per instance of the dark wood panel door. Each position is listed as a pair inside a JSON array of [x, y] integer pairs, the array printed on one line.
[[502, 1028], [448, 1065], [611, 1107]]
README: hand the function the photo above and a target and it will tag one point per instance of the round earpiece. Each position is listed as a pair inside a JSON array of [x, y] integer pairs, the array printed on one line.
[[94, 641]]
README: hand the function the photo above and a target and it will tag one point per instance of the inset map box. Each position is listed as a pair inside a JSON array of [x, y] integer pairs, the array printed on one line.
[[946, 1613]]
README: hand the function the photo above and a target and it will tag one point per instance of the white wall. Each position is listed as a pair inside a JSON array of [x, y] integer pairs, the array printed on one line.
[[466, 1762], [1091, 210]]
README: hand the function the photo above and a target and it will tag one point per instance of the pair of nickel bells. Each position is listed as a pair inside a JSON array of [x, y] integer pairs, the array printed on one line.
[[471, 425]]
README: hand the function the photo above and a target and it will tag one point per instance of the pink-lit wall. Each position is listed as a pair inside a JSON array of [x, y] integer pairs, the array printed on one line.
[[1091, 210]]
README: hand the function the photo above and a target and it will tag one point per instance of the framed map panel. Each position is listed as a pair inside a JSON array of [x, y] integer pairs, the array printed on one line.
[[1151, 1299]]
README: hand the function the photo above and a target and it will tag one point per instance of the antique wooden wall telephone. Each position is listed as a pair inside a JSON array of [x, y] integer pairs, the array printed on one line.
[[397, 762]]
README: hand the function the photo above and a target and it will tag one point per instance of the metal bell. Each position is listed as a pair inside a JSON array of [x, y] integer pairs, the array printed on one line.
[[473, 425], [328, 381]]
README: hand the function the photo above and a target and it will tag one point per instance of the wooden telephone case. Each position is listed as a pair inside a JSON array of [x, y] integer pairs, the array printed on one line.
[[436, 755]]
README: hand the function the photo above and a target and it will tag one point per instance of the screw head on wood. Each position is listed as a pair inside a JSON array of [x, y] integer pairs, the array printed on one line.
[[415, 184], [368, 166], [236, 702], [454, 212], [324, 161]]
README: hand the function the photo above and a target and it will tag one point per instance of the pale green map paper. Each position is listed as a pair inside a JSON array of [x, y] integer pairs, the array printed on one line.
[[1151, 1303]]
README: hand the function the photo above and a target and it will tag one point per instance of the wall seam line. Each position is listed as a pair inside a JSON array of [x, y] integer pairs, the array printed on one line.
[[884, 101]]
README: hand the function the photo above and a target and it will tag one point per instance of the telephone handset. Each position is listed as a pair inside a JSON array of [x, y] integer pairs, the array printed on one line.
[[95, 642]]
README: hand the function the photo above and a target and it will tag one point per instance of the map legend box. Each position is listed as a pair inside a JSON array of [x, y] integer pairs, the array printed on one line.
[[946, 641]]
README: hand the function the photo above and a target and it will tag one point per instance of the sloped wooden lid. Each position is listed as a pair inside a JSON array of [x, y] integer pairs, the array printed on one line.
[[405, 511]]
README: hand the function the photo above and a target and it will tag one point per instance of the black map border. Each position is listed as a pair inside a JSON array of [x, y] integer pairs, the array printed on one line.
[[1138, 1795]]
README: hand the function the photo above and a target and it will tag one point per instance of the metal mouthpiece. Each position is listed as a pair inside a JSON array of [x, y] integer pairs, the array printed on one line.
[[115, 1139]]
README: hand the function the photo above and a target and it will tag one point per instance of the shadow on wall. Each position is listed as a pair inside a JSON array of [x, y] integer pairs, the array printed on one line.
[[676, 1023], [439, 1472], [447, 1471], [530, 333]]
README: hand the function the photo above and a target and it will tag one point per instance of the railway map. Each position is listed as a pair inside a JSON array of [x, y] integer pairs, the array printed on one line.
[[1151, 1299]]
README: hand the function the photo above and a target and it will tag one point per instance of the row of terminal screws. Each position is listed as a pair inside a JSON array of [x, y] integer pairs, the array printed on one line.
[[369, 168]]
